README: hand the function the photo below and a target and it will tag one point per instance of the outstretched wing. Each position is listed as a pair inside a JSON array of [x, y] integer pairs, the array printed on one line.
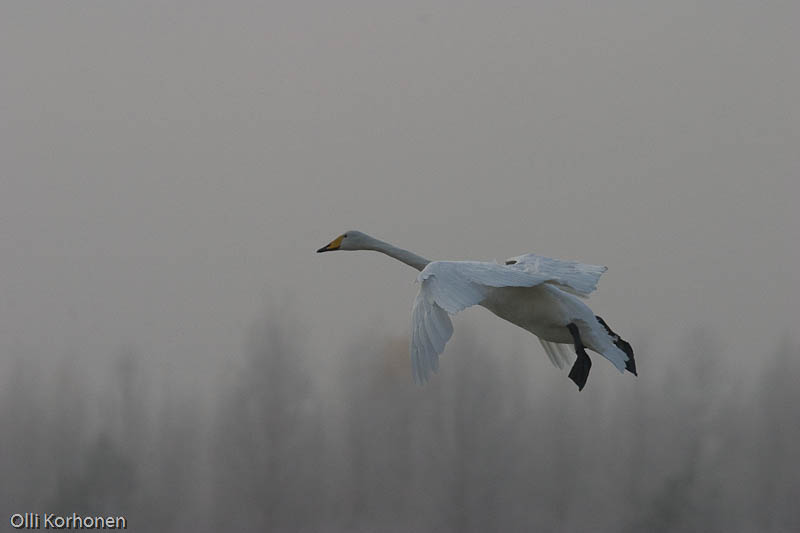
[[448, 287], [577, 278]]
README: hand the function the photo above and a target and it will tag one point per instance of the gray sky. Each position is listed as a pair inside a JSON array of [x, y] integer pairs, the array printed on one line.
[[169, 170]]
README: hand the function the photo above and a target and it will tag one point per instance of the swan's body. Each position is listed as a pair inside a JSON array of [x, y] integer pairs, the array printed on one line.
[[538, 294], [543, 310]]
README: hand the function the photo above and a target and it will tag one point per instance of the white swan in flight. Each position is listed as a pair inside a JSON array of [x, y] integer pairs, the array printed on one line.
[[538, 294]]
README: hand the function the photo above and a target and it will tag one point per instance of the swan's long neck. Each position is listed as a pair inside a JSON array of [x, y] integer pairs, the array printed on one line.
[[409, 258]]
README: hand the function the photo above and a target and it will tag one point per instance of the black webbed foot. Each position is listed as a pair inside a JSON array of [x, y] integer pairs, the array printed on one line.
[[580, 370]]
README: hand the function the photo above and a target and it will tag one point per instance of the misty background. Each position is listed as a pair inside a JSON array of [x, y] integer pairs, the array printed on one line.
[[173, 350]]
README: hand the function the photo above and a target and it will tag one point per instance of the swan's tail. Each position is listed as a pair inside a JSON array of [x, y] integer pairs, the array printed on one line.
[[622, 344]]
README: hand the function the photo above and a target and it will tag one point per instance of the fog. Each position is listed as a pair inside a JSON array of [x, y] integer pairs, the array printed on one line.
[[497, 441], [173, 350]]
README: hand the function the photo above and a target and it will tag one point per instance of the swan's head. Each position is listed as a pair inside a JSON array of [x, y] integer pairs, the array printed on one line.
[[350, 240]]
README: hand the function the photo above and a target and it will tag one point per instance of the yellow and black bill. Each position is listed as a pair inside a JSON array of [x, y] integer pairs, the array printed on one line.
[[333, 245]]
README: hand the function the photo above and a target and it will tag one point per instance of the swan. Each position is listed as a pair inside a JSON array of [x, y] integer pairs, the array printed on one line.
[[536, 293]]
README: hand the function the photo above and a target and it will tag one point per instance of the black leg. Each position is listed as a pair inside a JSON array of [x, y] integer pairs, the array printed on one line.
[[580, 370]]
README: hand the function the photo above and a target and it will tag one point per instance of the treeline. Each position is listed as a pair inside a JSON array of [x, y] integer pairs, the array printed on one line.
[[285, 440]]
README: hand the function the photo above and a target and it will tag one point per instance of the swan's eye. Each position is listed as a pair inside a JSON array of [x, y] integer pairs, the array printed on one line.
[[511, 262], [345, 235]]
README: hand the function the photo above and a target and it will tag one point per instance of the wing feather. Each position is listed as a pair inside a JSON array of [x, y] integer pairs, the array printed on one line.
[[577, 278], [559, 354], [447, 287], [430, 331], [551, 354]]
